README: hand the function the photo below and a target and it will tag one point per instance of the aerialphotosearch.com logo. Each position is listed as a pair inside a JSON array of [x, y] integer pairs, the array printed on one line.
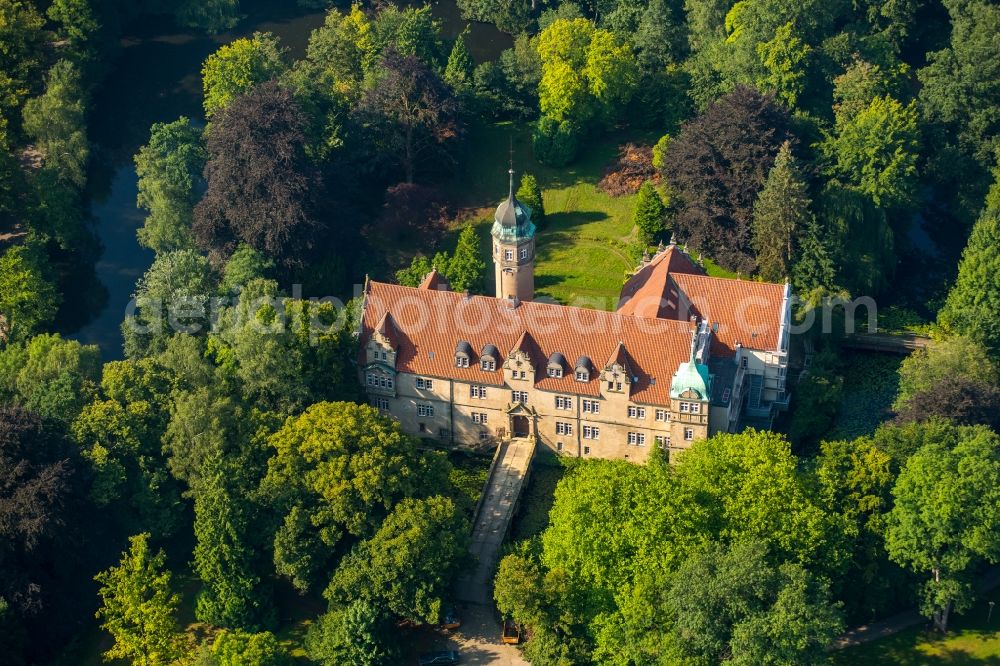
[[270, 313]]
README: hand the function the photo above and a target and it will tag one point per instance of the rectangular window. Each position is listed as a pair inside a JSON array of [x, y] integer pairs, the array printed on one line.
[[685, 407], [555, 372], [385, 357], [696, 408], [559, 446], [618, 386], [637, 438], [477, 391], [661, 415], [508, 255], [581, 375], [426, 384], [688, 434], [462, 361], [423, 427], [564, 428], [563, 402], [371, 380], [382, 403], [591, 407], [483, 435], [479, 417], [586, 450], [519, 396], [524, 374], [636, 412], [663, 441], [425, 410], [591, 432], [488, 364]]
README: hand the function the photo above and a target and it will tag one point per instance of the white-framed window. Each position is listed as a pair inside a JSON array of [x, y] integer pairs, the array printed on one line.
[[663, 441], [586, 450], [591, 432], [582, 376], [385, 356], [484, 435], [425, 410], [508, 255], [382, 404], [685, 407], [479, 417], [696, 408], [618, 386], [564, 402], [378, 381], [637, 439], [488, 364], [555, 372], [477, 391], [661, 415], [426, 384], [519, 396], [591, 407], [636, 412], [371, 380], [524, 252], [461, 361], [688, 434], [564, 428], [523, 374]]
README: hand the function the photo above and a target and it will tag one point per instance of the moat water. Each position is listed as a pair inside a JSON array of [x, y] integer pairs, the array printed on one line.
[[156, 77]]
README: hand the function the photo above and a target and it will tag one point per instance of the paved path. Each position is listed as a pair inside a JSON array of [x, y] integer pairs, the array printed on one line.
[[478, 639], [904, 620], [494, 516]]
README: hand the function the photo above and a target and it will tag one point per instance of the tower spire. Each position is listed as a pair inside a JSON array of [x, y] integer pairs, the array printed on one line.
[[511, 170]]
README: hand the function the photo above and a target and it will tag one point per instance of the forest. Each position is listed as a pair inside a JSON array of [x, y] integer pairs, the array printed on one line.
[[216, 491]]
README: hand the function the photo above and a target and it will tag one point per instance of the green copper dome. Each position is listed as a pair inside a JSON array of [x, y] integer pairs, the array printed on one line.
[[512, 221], [691, 376]]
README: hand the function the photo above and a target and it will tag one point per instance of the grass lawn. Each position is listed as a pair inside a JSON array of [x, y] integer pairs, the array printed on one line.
[[970, 642], [587, 243]]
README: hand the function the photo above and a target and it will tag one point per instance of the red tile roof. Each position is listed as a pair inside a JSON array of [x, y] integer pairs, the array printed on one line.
[[430, 324], [672, 286], [434, 280]]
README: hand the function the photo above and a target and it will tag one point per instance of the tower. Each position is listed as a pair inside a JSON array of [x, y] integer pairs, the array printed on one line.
[[514, 248]]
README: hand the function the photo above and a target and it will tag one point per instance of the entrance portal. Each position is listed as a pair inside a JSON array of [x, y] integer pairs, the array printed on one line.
[[519, 426]]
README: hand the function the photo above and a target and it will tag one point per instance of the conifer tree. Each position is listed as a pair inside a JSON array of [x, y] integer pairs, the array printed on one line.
[[222, 560], [781, 214], [813, 267], [466, 269], [530, 194], [649, 213], [139, 606], [974, 300], [458, 71]]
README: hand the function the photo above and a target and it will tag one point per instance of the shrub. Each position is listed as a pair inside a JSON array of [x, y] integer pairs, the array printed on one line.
[[555, 142]]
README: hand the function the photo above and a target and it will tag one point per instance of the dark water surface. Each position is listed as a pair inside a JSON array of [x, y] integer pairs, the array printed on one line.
[[156, 77]]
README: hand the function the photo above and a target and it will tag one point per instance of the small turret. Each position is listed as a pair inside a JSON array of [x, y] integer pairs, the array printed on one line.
[[514, 248]]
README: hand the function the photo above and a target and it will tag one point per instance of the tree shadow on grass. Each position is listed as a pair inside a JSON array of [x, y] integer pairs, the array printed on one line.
[[556, 222]]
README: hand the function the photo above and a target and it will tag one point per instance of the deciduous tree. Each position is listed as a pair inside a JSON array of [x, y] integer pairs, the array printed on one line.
[[649, 213], [56, 121], [236, 68], [262, 188], [946, 502], [169, 169], [139, 607]]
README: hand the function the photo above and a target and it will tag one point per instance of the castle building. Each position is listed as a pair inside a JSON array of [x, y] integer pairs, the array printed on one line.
[[684, 356]]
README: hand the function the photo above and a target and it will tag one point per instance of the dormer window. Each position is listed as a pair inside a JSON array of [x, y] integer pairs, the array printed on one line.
[[462, 354], [582, 369], [488, 358], [555, 365], [582, 375]]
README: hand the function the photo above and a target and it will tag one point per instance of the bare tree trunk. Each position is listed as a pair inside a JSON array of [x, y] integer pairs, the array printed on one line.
[[941, 614]]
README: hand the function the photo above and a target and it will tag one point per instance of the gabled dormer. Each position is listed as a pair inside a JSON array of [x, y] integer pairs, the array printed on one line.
[[383, 343], [520, 363], [583, 369], [616, 377]]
